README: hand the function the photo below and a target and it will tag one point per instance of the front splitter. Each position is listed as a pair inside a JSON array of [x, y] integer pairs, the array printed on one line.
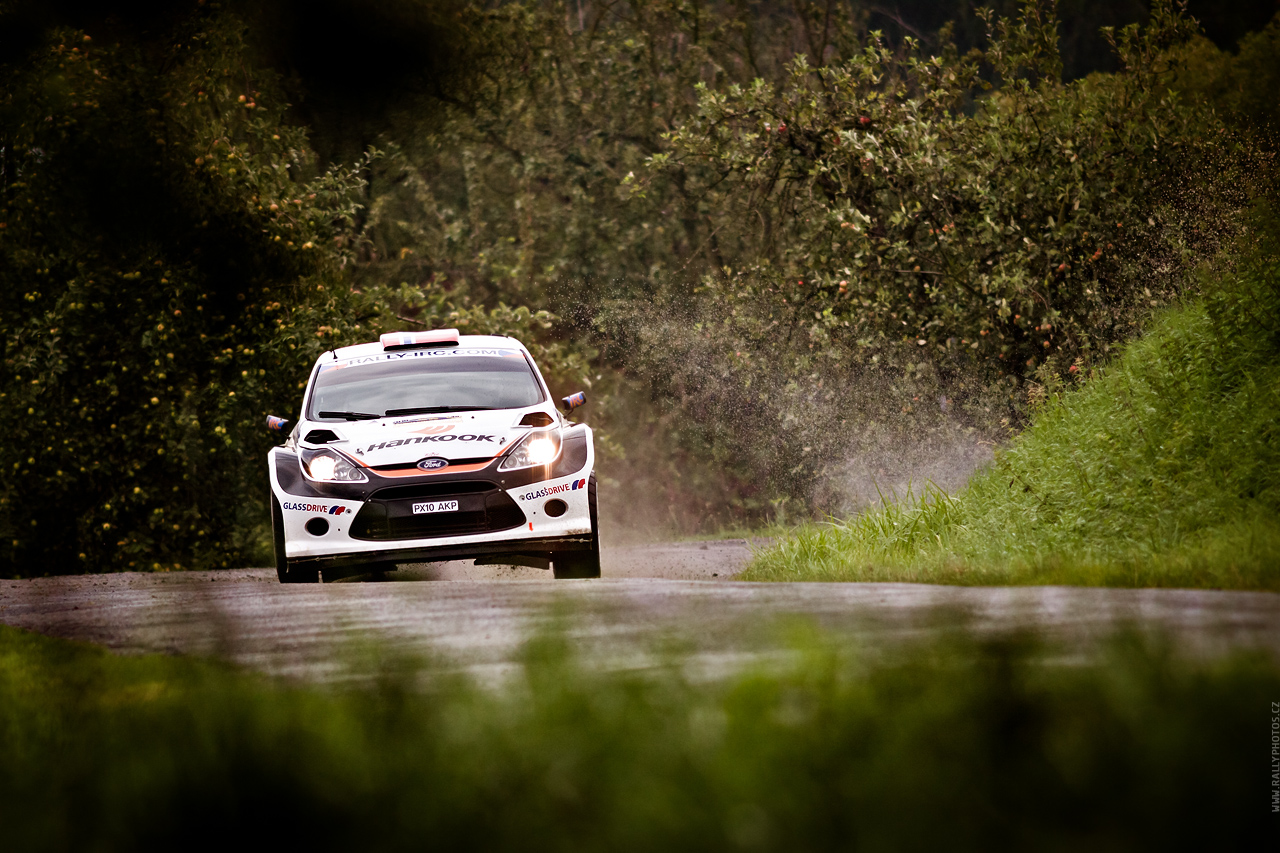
[[546, 547]]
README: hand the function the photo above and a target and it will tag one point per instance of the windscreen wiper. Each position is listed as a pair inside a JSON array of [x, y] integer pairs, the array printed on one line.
[[351, 416], [435, 410]]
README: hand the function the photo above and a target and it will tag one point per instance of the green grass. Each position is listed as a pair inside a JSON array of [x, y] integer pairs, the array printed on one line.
[[1161, 470], [951, 746]]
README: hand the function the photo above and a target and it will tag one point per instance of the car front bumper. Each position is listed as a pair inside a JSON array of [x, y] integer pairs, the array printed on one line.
[[537, 519]]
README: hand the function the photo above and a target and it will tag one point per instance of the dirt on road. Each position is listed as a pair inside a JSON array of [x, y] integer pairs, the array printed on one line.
[[651, 598]]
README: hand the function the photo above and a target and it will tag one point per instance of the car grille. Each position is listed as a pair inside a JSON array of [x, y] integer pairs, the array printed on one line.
[[433, 490], [478, 512]]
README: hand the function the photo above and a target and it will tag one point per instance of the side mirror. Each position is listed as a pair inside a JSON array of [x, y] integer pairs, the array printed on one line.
[[573, 401], [277, 424]]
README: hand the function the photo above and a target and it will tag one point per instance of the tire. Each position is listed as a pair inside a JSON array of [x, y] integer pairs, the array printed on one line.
[[283, 571], [582, 564]]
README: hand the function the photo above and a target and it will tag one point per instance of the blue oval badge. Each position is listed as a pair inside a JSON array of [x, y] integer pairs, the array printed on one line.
[[435, 463]]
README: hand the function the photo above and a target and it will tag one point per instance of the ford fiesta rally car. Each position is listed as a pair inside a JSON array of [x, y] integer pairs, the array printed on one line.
[[430, 446]]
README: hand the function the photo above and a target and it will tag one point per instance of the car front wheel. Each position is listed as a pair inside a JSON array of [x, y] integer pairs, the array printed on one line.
[[582, 564], [283, 571]]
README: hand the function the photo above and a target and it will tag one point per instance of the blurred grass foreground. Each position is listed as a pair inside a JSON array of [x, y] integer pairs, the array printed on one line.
[[956, 746]]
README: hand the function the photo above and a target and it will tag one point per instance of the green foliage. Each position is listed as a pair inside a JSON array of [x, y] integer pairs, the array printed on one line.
[[613, 184], [518, 192], [1163, 470], [1241, 85], [1000, 749], [169, 260], [892, 198], [562, 363], [903, 242]]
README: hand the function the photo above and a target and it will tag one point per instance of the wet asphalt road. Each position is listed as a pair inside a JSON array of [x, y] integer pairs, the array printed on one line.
[[653, 597]]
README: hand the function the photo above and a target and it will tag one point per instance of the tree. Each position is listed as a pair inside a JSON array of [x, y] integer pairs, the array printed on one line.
[[169, 263]]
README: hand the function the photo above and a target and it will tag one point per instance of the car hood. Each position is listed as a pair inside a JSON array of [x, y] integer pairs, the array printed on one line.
[[466, 435]]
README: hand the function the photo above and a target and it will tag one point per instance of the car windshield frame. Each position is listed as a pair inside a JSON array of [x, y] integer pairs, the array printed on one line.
[[398, 366]]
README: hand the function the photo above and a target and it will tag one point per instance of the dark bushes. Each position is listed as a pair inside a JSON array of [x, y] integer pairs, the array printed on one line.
[[169, 260]]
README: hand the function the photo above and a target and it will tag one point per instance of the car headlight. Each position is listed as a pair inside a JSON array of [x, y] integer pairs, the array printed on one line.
[[540, 447], [325, 466]]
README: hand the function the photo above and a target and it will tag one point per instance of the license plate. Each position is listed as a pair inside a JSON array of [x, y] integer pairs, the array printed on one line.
[[435, 506]]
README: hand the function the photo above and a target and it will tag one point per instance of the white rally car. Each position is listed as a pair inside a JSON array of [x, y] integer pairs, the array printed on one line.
[[430, 446]]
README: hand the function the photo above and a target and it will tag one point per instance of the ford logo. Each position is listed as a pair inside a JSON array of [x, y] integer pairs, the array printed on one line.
[[435, 463]]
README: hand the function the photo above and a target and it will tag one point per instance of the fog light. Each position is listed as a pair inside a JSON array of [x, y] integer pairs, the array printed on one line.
[[555, 507], [318, 526]]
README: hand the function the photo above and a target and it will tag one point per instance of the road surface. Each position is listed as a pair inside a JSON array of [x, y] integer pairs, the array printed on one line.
[[674, 596]]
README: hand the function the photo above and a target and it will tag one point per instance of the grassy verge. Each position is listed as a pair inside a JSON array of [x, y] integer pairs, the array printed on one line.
[[998, 748], [1163, 470]]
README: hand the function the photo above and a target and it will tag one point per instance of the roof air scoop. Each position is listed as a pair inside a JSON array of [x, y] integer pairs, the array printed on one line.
[[420, 340]]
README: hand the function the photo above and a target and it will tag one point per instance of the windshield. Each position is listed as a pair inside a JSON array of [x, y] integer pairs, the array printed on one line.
[[423, 381]]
